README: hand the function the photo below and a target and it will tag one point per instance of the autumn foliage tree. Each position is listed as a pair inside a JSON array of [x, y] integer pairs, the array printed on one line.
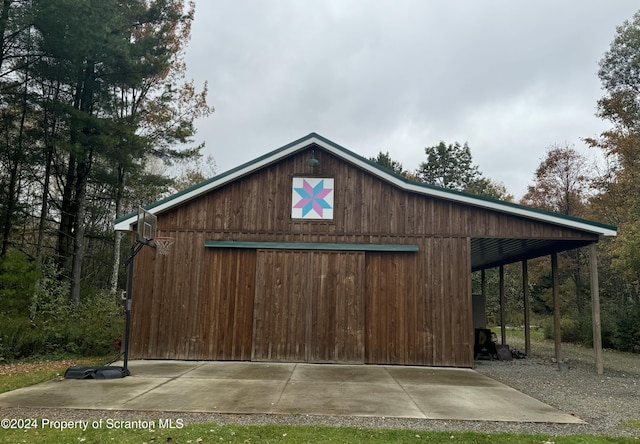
[[618, 186], [561, 182]]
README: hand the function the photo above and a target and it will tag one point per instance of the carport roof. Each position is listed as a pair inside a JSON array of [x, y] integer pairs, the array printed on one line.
[[486, 252], [492, 252]]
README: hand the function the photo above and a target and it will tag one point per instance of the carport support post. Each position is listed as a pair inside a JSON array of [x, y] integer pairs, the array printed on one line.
[[595, 308], [483, 291], [503, 331], [556, 306], [527, 321]]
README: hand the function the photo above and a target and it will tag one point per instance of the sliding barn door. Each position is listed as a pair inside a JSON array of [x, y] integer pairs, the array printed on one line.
[[309, 306]]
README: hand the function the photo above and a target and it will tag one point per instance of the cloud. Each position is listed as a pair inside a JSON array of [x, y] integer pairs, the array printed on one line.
[[510, 78]]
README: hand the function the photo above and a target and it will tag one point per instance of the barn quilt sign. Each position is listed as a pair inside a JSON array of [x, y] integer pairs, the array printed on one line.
[[312, 198]]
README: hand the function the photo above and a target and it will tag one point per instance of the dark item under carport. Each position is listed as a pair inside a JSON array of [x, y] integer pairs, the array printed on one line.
[[484, 347]]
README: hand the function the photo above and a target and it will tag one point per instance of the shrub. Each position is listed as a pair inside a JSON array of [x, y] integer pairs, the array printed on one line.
[[50, 299], [98, 323], [18, 275], [608, 328], [571, 330], [627, 337], [18, 338], [514, 319], [54, 326], [619, 328], [89, 329]]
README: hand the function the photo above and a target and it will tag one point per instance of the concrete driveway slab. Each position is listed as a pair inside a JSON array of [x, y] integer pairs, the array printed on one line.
[[373, 374], [208, 395], [314, 389], [162, 369], [347, 399], [441, 376], [480, 404], [240, 370], [81, 394]]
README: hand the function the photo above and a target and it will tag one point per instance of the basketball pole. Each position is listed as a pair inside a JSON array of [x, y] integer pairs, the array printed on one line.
[[135, 249]]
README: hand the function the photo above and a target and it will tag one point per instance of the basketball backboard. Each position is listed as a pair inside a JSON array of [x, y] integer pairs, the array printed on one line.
[[147, 225]]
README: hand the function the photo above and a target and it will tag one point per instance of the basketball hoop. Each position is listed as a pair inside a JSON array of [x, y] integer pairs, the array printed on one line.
[[163, 244]]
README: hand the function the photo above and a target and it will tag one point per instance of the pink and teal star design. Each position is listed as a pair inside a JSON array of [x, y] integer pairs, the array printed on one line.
[[312, 198]]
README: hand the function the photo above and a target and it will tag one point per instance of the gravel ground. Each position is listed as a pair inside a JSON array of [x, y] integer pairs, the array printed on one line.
[[606, 402]]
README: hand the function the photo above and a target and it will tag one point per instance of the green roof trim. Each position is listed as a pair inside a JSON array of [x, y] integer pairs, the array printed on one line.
[[462, 193], [319, 142], [217, 178], [311, 246]]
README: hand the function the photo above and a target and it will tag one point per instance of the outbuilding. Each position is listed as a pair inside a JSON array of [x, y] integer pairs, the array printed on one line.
[[311, 253]]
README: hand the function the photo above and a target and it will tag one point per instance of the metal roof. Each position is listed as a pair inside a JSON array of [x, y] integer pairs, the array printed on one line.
[[491, 252]]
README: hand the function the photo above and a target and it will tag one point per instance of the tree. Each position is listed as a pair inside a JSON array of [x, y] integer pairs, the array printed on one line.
[[451, 166], [561, 182], [620, 66], [191, 172], [385, 161], [160, 109], [448, 166], [83, 42], [16, 114], [101, 83], [486, 187], [619, 186]]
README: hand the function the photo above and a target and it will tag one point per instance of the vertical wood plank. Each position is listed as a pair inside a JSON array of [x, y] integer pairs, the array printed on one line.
[[326, 325]]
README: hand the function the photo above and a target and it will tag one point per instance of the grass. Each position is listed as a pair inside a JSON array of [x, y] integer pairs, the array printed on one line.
[[197, 433], [633, 423], [25, 373], [537, 334]]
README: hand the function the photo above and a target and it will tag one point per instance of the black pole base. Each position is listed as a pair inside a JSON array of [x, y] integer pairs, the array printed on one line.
[[101, 372]]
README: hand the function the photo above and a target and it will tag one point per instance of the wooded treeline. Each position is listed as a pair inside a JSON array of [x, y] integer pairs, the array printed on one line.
[[91, 93], [608, 192]]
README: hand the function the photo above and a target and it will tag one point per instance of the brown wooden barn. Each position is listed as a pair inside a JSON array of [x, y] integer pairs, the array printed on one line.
[[312, 253]]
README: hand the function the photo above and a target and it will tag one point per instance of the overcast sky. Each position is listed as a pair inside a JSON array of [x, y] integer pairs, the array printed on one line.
[[508, 77]]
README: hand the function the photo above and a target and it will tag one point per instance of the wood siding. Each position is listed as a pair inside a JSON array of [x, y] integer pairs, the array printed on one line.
[[309, 307], [199, 308], [418, 307], [317, 306], [259, 207]]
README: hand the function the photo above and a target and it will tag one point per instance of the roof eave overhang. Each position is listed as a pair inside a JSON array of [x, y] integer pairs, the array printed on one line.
[[126, 223]]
